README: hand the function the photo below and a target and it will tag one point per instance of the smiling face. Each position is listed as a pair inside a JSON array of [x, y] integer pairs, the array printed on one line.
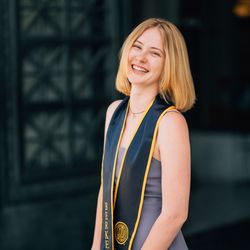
[[146, 58]]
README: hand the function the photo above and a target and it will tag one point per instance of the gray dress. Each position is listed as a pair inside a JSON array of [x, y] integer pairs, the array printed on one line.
[[152, 206]]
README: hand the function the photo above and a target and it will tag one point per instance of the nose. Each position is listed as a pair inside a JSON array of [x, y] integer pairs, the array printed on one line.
[[142, 56]]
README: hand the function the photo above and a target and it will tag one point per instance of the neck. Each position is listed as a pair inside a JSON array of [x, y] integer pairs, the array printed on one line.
[[140, 101]]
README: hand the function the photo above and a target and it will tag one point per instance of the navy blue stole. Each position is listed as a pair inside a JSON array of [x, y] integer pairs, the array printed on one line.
[[122, 203]]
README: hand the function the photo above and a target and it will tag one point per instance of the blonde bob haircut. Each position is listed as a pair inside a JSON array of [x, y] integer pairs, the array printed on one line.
[[176, 82]]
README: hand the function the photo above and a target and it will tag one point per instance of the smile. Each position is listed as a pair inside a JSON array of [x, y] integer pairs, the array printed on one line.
[[139, 68]]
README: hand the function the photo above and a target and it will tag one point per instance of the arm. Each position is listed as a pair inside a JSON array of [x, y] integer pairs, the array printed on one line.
[[173, 141], [98, 221]]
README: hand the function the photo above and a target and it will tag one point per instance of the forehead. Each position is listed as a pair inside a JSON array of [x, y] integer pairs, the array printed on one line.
[[152, 37]]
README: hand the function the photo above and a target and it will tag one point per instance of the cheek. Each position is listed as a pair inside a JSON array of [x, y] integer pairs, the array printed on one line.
[[159, 65], [160, 69], [130, 57], [131, 53]]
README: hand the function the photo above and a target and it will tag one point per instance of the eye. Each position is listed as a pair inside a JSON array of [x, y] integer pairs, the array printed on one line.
[[136, 46], [155, 53]]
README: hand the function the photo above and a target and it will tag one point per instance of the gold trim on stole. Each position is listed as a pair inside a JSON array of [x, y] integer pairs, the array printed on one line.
[[112, 181], [124, 155], [113, 174], [146, 175]]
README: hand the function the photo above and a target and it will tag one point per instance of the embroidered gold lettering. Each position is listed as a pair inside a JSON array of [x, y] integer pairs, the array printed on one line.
[[106, 244], [106, 235], [106, 225]]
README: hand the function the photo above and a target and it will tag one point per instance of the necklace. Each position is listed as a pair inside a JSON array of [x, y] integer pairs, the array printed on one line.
[[135, 113]]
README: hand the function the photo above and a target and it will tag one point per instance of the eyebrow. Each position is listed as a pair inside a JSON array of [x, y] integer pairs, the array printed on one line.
[[150, 47]]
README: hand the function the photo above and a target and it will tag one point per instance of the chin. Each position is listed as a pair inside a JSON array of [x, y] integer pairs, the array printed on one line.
[[136, 79], [135, 82]]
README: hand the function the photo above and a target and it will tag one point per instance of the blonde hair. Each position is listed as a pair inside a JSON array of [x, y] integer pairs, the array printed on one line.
[[176, 82]]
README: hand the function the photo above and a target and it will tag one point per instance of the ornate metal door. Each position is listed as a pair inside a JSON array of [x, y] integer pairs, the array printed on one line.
[[58, 62]]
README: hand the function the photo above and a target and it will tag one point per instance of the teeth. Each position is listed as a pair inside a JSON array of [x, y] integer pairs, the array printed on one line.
[[139, 68]]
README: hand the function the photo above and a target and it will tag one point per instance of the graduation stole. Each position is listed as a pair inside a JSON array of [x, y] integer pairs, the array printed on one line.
[[122, 203]]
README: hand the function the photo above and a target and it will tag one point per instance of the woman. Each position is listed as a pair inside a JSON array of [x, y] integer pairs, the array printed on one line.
[[144, 193]]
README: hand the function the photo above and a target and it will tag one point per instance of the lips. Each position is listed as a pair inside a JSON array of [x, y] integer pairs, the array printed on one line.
[[139, 68]]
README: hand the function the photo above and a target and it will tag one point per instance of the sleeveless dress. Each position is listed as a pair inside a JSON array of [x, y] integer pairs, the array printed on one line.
[[152, 205]]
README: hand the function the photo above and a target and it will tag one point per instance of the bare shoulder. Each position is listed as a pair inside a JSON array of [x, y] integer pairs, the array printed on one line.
[[173, 135], [110, 110], [112, 107], [173, 118], [173, 123]]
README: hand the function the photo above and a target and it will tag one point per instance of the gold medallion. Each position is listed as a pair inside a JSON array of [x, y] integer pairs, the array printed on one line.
[[121, 232]]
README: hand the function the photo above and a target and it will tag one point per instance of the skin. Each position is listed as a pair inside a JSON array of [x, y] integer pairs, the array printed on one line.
[[145, 63]]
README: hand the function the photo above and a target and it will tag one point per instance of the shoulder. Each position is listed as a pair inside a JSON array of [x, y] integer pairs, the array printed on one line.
[[173, 124], [173, 117], [173, 138], [110, 110]]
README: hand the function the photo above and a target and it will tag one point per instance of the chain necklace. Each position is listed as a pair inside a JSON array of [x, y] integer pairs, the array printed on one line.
[[135, 113]]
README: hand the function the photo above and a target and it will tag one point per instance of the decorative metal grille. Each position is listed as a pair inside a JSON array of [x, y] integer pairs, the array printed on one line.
[[57, 75], [59, 92]]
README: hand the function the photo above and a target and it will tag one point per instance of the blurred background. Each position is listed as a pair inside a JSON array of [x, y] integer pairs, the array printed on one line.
[[58, 61]]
